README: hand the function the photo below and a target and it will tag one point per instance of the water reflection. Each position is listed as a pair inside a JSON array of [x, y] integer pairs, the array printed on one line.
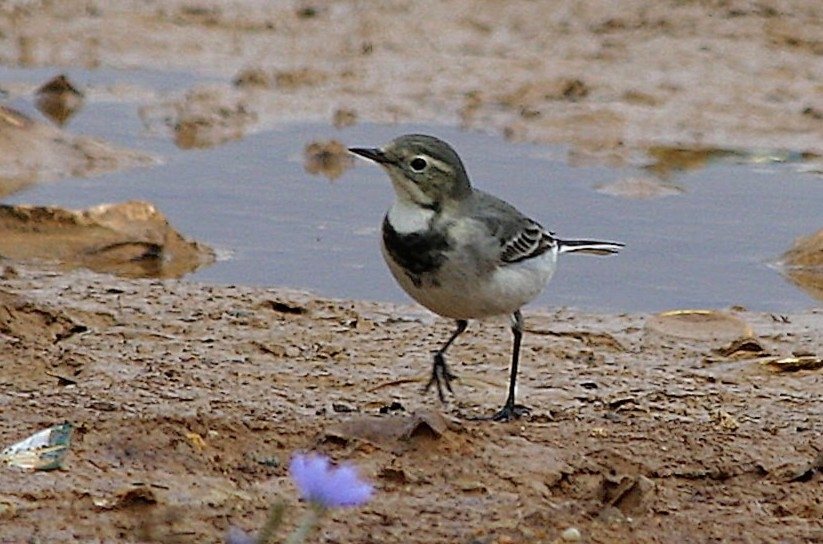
[[803, 264], [58, 99], [668, 161], [329, 159]]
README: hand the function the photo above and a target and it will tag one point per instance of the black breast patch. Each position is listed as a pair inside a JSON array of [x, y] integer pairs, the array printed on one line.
[[419, 253]]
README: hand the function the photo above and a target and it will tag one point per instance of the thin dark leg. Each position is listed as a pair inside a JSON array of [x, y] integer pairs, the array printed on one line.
[[440, 371], [511, 410]]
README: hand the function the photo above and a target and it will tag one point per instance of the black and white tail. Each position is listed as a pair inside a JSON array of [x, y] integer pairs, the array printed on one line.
[[588, 246]]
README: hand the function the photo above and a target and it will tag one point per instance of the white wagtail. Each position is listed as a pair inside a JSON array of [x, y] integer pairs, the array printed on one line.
[[460, 252]]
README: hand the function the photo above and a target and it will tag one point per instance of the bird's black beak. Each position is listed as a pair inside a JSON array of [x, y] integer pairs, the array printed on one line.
[[370, 153]]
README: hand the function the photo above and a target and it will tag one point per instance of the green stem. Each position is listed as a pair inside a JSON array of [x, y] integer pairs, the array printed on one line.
[[307, 524], [266, 534]]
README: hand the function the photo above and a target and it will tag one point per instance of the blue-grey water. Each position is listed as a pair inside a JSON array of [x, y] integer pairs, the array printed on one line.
[[277, 225]]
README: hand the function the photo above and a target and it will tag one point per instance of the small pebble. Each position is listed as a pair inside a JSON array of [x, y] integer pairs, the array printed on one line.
[[572, 534]]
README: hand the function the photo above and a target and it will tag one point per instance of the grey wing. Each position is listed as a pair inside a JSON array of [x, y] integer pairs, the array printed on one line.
[[520, 238]]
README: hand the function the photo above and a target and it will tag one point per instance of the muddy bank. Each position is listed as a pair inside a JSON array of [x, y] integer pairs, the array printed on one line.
[[608, 80], [130, 239], [33, 152], [189, 400]]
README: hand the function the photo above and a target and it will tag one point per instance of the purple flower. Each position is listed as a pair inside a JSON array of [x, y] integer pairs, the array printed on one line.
[[327, 486]]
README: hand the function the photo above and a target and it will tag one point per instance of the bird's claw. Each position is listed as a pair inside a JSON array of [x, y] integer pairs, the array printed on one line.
[[510, 412], [440, 375]]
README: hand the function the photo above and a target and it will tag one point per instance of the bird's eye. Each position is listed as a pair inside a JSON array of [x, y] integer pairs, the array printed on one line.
[[418, 164]]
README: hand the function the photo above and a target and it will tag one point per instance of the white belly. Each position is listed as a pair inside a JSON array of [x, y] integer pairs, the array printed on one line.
[[460, 291]]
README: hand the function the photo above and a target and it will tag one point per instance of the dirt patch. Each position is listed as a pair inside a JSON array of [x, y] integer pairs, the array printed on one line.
[[131, 239], [803, 264], [189, 400], [609, 80]]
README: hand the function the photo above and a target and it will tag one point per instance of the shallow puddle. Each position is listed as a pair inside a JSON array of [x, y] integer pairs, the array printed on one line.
[[707, 242]]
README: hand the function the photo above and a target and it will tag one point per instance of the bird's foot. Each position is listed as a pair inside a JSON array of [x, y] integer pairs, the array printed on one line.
[[441, 375], [510, 412]]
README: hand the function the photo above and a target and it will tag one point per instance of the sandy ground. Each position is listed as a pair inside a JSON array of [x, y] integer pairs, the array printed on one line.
[[189, 399]]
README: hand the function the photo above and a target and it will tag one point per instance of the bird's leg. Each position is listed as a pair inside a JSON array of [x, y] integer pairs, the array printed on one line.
[[511, 410], [440, 371]]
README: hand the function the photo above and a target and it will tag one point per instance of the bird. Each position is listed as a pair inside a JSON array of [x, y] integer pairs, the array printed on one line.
[[461, 252]]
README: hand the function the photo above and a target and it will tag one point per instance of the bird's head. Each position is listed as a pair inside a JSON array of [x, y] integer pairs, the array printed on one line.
[[424, 170]]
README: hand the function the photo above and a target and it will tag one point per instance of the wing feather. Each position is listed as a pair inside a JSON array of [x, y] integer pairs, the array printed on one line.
[[530, 241]]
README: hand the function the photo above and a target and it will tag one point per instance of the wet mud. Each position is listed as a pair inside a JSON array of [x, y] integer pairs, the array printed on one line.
[[188, 399]]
